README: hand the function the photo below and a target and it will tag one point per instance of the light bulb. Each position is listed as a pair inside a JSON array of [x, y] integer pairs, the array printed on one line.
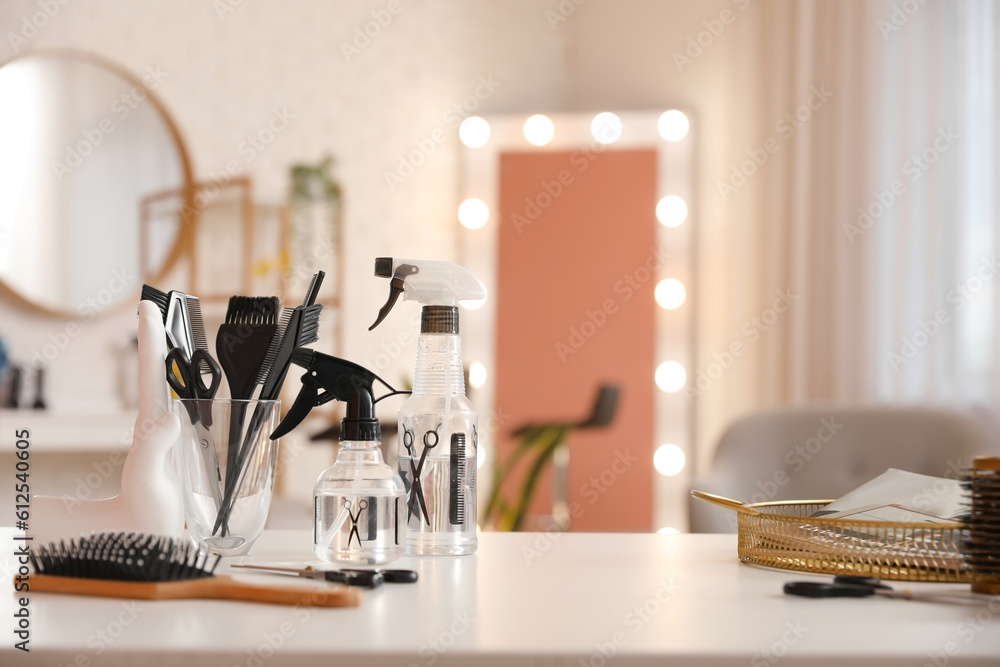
[[670, 293], [670, 376], [539, 130], [474, 132], [477, 374], [673, 125], [606, 127], [668, 460], [473, 213], [671, 211]]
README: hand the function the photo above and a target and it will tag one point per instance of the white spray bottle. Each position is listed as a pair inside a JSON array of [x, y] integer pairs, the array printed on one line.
[[438, 426]]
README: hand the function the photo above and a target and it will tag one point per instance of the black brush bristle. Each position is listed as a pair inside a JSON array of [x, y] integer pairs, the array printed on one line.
[[161, 299], [253, 310], [303, 357], [309, 333], [122, 556]]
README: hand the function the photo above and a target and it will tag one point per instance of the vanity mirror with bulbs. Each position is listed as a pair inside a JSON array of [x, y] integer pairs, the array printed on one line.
[[604, 202]]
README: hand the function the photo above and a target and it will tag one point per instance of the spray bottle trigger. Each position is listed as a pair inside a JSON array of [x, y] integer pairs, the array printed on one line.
[[307, 399], [395, 289]]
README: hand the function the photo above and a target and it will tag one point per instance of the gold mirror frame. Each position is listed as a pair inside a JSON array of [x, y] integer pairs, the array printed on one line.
[[183, 239]]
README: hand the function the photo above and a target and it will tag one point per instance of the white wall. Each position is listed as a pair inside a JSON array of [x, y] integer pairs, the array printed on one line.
[[225, 75]]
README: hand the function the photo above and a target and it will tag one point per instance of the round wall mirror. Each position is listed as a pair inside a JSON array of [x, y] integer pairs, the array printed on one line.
[[93, 179]]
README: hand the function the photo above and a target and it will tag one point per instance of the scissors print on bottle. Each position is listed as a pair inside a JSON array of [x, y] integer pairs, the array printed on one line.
[[362, 505], [431, 439]]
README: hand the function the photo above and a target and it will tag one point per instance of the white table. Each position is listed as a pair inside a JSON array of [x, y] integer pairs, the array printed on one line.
[[524, 599]]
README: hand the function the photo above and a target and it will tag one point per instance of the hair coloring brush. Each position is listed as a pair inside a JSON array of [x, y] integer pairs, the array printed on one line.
[[242, 345], [299, 327], [148, 567]]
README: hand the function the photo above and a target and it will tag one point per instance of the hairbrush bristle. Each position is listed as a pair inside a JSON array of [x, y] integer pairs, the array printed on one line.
[[122, 556], [150, 293], [982, 547]]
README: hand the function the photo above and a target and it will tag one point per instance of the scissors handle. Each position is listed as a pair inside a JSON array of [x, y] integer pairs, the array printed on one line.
[[185, 375], [178, 372], [813, 589], [203, 358]]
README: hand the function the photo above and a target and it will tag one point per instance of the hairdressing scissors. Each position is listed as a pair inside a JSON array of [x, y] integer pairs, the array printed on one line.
[[854, 586], [348, 577], [185, 377]]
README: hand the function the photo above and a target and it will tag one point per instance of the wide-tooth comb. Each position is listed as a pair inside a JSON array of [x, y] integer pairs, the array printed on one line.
[[160, 298]]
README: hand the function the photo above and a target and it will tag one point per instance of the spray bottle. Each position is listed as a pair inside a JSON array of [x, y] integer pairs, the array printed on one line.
[[438, 425], [359, 509]]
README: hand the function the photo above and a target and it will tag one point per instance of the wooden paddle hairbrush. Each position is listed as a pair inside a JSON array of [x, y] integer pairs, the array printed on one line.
[[149, 567]]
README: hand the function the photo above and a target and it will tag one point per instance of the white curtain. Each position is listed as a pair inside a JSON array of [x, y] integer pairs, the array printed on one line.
[[878, 210]]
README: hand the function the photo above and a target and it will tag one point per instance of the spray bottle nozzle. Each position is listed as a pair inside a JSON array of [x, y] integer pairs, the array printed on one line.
[[327, 379], [429, 282]]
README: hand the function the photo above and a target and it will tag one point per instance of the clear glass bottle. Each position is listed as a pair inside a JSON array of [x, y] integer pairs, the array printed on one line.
[[441, 507], [359, 508]]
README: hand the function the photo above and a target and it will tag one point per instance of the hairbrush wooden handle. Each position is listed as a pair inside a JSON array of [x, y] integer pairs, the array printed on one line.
[[207, 588]]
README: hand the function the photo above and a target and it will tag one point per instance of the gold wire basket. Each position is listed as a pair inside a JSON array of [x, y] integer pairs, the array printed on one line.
[[782, 534]]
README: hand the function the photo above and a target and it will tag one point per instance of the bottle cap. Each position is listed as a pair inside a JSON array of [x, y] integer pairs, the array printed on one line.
[[439, 319]]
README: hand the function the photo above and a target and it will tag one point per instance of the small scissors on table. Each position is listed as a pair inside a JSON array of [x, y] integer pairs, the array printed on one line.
[[855, 586], [185, 377]]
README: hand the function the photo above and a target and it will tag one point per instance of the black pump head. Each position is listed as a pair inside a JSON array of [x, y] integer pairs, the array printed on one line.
[[329, 378]]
